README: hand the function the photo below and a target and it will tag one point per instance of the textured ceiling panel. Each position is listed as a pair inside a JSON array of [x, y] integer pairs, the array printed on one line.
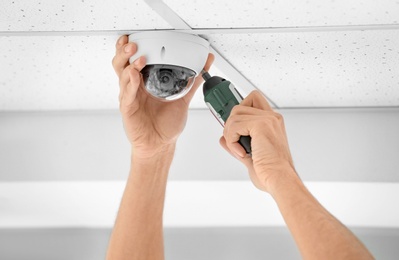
[[324, 69], [78, 15], [271, 13], [331, 69], [45, 73], [61, 73]]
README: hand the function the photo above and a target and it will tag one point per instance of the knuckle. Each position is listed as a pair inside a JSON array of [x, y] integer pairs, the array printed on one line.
[[278, 116], [259, 97], [255, 94], [234, 111], [120, 41], [134, 46], [264, 124], [114, 61], [268, 120], [227, 135], [276, 120], [232, 118], [225, 130], [280, 119]]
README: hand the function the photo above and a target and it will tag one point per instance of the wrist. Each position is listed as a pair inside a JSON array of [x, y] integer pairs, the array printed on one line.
[[151, 154], [152, 163], [282, 180]]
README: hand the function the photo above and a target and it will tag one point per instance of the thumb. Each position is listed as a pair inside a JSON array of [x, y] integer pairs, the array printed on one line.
[[235, 151]]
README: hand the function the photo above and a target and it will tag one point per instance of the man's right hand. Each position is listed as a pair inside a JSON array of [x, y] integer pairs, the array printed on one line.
[[271, 158]]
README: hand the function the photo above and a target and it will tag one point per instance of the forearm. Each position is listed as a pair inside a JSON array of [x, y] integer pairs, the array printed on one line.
[[137, 233], [317, 233]]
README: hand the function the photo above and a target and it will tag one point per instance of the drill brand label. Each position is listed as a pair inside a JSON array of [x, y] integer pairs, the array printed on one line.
[[215, 114], [221, 99]]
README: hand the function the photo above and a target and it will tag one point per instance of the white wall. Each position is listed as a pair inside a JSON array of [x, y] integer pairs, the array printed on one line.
[[346, 145], [327, 145]]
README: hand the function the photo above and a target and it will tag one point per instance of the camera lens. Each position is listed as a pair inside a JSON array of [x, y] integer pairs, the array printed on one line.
[[167, 82], [166, 79]]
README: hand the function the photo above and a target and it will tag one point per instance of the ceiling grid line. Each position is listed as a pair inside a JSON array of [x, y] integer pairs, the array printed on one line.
[[222, 63], [247, 30]]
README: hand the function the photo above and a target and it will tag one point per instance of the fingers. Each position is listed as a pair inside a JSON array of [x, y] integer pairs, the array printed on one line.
[[130, 81], [254, 122], [241, 113], [235, 149], [223, 143], [250, 111], [244, 110], [199, 79], [257, 100], [121, 41], [137, 65], [236, 126], [124, 50]]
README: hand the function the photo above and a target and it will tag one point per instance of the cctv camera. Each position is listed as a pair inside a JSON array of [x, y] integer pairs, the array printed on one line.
[[173, 61]]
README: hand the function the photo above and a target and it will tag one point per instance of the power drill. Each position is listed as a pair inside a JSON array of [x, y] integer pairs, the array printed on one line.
[[221, 96]]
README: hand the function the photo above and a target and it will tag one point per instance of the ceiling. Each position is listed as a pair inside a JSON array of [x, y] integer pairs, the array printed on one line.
[[56, 55]]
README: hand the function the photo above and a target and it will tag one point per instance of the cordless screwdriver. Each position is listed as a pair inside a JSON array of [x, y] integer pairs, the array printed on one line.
[[221, 96]]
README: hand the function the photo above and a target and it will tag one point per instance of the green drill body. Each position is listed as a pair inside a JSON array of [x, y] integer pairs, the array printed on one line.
[[222, 100], [221, 96]]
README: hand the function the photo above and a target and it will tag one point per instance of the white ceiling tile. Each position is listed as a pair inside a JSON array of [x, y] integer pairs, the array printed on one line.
[[331, 69], [61, 73], [46, 73], [324, 69], [78, 15], [271, 13]]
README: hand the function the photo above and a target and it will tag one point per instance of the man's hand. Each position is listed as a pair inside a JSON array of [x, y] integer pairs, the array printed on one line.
[[271, 156], [271, 169], [151, 125]]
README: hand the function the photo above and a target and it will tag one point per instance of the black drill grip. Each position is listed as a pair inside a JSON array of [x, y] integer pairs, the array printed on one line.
[[245, 142]]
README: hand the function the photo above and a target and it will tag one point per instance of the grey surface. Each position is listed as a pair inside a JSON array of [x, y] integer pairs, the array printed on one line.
[[180, 244], [326, 144]]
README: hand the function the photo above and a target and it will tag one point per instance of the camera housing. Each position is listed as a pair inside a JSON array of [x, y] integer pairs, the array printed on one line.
[[173, 61]]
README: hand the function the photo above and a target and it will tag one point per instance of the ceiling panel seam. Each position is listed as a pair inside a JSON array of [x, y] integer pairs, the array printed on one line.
[[340, 107], [226, 67], [297, 29], [167, 14], [246, 30]]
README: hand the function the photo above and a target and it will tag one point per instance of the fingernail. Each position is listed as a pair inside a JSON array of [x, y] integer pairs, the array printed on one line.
[[128, 48], [120, 40], [137, 62], [238, 152], [237, 156]]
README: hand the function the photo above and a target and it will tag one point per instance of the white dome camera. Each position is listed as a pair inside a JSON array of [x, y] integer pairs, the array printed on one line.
[[173, 61]]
